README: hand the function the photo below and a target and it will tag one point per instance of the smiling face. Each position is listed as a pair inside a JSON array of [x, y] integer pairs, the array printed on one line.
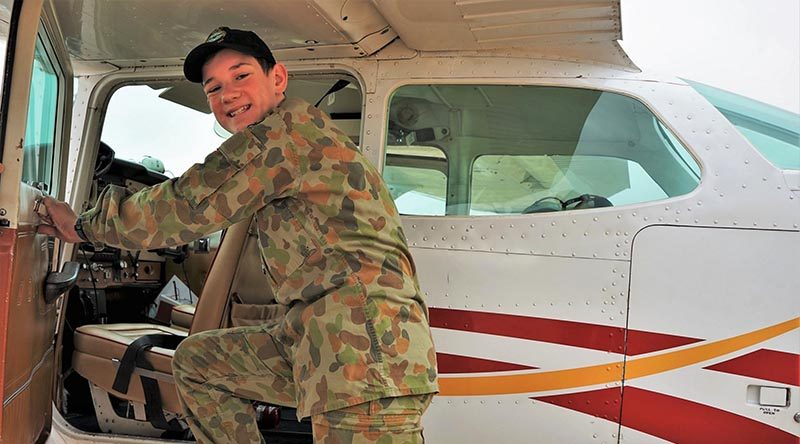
[[238, 91]]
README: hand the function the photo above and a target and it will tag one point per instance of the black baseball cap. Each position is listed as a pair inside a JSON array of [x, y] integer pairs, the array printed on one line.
[[246, 42]]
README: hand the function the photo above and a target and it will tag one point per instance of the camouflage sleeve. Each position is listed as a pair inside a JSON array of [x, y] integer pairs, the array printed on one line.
[[246, 172]]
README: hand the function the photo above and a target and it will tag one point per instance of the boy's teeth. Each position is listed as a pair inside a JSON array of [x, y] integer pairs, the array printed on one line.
[[238, 111]]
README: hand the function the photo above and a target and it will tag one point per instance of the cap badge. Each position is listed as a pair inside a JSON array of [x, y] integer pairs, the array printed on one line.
[[217, 35]]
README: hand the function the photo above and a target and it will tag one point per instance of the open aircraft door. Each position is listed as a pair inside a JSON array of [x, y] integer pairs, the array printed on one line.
[[36, 99]]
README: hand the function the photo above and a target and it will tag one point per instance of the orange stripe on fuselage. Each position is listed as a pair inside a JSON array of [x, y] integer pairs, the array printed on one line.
[[608, 373]]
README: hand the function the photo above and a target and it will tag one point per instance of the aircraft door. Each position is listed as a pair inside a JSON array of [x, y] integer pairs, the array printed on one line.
[[727, 300], [33, 145]]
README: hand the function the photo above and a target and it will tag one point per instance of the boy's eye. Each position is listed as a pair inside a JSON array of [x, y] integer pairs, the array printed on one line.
[[242, 75], [213, 89]]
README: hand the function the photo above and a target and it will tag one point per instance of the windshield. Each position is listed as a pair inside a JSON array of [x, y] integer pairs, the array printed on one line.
[[773, 131]]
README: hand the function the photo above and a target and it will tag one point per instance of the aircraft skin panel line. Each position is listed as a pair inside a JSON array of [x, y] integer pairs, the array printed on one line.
[[609, 372]]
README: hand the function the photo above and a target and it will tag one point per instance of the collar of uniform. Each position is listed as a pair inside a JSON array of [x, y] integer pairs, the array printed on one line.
[[287, 104]]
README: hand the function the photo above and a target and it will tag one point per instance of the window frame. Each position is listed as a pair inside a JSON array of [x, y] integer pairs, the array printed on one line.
[[426, 163], [52, 182]]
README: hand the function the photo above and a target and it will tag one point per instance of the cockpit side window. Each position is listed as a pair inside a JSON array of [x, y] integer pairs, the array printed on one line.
[[168, 127], [510, 149]]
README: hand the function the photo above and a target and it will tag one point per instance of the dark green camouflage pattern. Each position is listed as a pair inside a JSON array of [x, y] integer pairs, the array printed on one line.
[[330, 237], [219, 371], [382, 421]]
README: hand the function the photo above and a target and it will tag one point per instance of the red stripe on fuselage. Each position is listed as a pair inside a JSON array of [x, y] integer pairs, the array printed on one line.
[[605, 403], [576, 334], [672, 419], [771, 365], [448, 363], [641, 342]]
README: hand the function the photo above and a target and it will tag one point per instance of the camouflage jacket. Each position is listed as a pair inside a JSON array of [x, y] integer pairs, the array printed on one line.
[[330, 237]]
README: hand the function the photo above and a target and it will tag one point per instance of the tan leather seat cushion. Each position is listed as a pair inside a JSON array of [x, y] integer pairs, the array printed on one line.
[[99, 348], [182, 316], [111, 340]]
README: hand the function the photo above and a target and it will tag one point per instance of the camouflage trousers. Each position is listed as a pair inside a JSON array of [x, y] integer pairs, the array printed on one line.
[[219, 372]]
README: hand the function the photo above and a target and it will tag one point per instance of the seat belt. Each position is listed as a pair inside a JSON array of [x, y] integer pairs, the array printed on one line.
[[340, 84], [135, 356]]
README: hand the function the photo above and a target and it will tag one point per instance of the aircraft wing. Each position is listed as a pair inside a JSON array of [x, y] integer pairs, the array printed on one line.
[[550, 29], [561, 28]]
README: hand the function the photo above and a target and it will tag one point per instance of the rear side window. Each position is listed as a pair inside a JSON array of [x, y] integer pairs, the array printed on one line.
[[512, 184], [498, 149], [773, 131]]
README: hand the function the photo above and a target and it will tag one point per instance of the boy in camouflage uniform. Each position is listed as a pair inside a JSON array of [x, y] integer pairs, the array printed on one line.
[[354, 350]]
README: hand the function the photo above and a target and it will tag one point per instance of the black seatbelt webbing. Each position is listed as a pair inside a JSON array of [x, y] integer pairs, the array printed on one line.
[[132, 355], [340, 84], [135, 356], [153, 406]]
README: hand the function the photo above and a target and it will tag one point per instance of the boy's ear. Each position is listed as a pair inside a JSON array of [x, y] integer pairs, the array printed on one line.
[[281, 77]]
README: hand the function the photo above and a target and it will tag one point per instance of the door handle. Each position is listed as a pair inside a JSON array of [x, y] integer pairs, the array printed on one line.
[[61, 282]]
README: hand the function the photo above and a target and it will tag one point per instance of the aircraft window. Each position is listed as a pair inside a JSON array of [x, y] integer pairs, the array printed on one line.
[[773, 131], [40, 130], [417, 179], [511, 184], [509, 149]]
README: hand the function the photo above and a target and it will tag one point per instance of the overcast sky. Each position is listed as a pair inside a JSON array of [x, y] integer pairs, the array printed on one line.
[[750, 47]]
